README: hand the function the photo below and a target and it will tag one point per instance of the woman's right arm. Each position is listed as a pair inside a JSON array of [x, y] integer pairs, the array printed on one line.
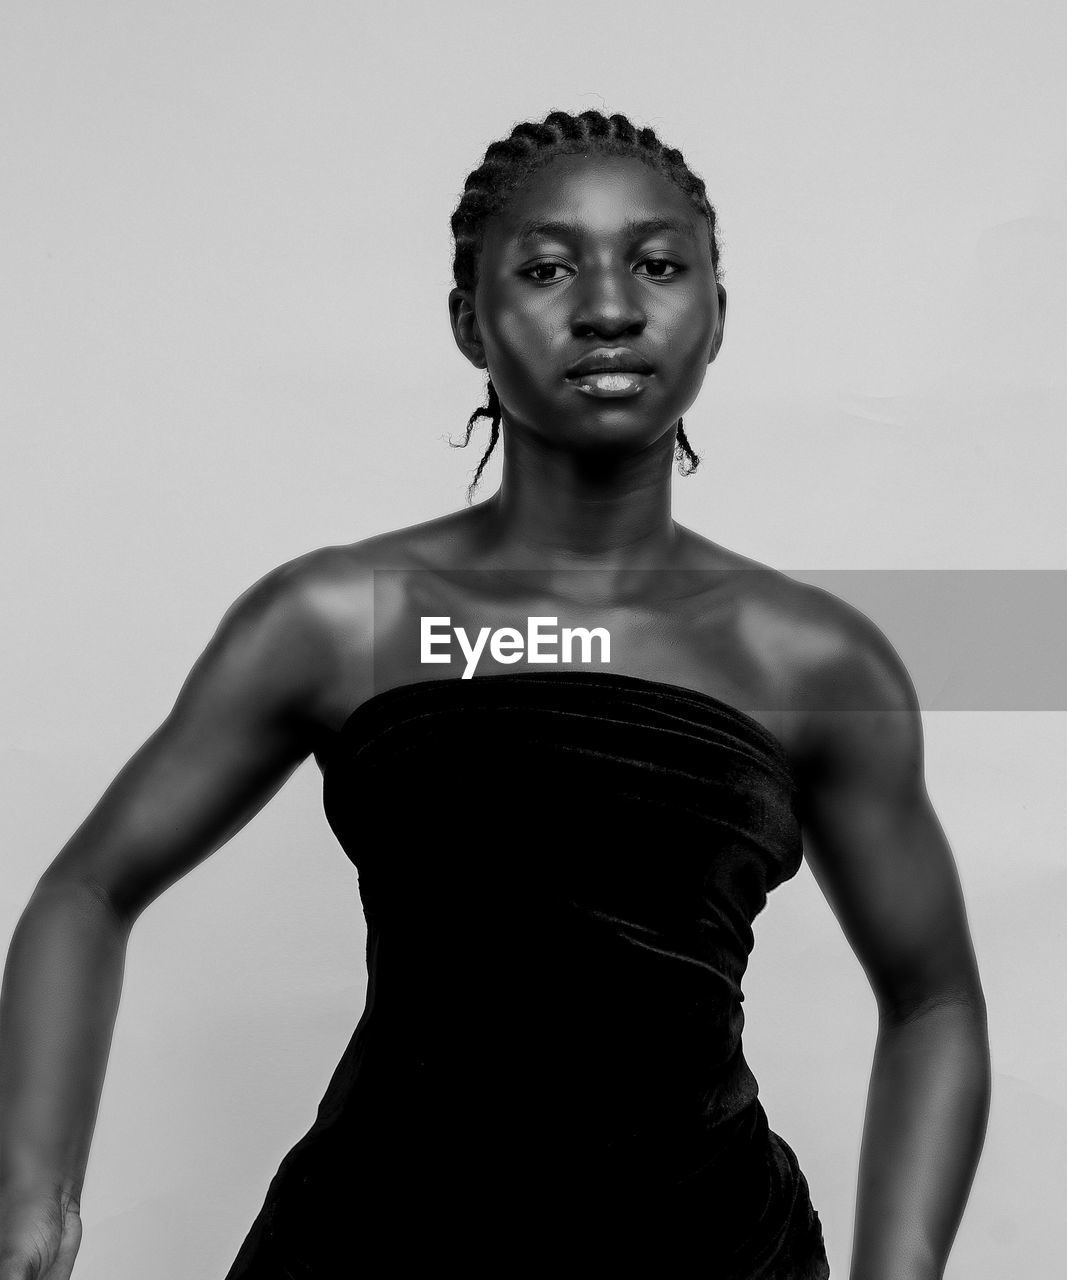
[[243, 721]]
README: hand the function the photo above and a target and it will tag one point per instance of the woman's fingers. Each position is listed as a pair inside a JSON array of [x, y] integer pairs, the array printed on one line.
[[70, 1242], [40, 1234]]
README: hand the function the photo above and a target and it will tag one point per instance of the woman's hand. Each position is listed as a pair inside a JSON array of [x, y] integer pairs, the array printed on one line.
[[40, 1234]]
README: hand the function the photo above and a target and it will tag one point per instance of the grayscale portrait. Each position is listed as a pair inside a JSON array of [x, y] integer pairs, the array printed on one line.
[[533, 608]]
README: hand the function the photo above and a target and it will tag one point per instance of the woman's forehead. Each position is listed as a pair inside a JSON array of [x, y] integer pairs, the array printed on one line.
[[593, 192]]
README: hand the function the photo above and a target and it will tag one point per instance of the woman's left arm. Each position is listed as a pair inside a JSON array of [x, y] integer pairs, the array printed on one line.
[[878, 852]]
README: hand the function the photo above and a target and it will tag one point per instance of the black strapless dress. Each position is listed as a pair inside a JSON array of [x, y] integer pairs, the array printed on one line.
[[559, 873]]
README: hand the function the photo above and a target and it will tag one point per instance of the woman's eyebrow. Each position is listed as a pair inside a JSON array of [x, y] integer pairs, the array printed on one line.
[[634, 228]]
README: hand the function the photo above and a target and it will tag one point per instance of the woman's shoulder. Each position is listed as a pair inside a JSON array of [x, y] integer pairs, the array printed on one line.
[[311, 619], [819, 646], [763, 597], [333, 583]]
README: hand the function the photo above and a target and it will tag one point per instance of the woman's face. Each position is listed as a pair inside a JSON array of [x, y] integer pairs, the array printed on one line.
[[594, 254]]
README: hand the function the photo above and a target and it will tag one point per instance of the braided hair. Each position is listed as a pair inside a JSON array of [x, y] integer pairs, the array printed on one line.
[[507, 165]]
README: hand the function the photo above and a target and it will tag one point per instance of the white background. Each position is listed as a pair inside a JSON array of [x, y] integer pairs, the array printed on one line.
[[224, 264]]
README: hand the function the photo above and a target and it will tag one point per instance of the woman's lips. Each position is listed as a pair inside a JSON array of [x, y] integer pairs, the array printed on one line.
[[609, 383]]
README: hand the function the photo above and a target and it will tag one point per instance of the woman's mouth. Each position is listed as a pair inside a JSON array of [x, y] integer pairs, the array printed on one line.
[[620, 383]]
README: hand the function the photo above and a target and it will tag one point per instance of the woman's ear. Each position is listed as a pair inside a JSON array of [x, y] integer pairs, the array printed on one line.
[[465, 327], [716, 340]]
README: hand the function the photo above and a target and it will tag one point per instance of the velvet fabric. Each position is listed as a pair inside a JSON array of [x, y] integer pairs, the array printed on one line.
[[559, 870]]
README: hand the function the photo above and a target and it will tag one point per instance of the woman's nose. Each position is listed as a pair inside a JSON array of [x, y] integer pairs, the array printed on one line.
[[607, 302]]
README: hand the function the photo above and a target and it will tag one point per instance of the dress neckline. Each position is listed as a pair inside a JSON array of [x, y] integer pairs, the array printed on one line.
[[598, 677]]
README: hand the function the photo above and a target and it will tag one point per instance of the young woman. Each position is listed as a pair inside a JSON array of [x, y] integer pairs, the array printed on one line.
[[560, 862]]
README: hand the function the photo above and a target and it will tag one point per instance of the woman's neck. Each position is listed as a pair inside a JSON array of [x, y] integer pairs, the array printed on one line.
[[553, 512]]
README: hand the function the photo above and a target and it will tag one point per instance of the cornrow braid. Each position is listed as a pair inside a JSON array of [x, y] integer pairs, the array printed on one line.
[[506, 166], [490, 410]]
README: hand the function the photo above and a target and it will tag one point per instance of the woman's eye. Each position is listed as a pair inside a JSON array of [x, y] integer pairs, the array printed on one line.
[[659, 269], [545, 266], [658, 263]]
